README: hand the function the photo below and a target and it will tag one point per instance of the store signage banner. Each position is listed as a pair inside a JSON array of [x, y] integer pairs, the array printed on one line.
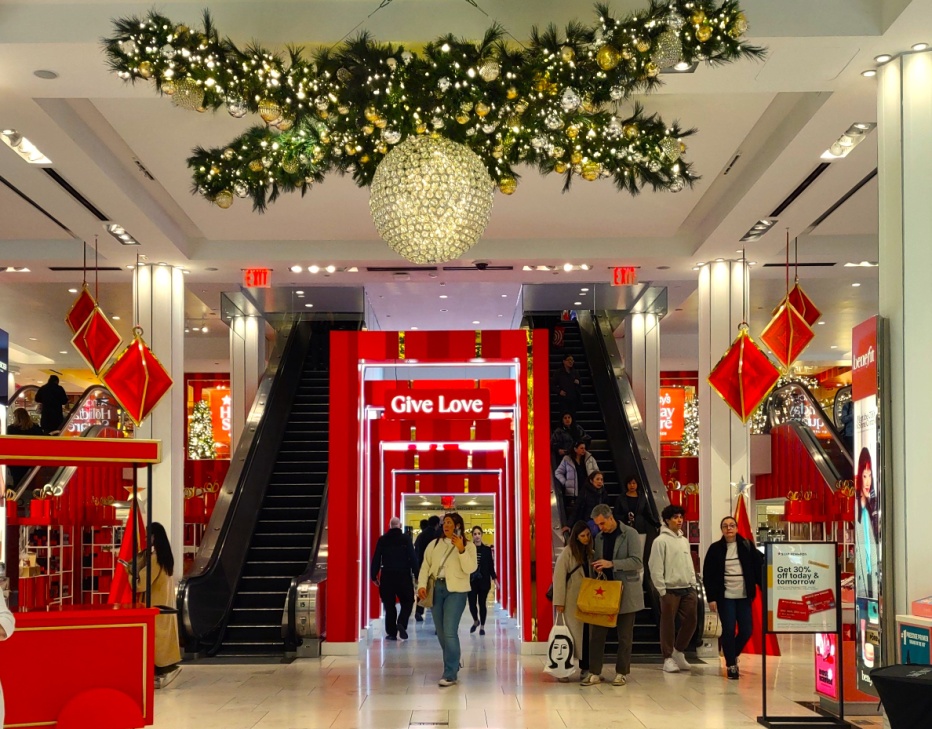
[[672, 419], [866, 376], [437, 404], [801, 583], [826, 666]]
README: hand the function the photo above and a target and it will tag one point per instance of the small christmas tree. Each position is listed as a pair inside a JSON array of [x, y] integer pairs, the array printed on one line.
[[201, 433]]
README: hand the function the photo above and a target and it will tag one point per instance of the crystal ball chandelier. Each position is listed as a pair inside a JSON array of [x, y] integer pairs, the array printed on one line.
[[431, 199]]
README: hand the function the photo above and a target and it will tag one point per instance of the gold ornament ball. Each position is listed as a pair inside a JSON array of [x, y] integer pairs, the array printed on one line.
[[214, 170], [557, 152], [224, 199], [741, 23], [576, 158], [368, 129], [591, 171], [318, 154], [364, 159], [521, 106], [626, 53], [698, 18], [631, 131], [567, 53], [181, 29], [255, 165], [290, 166], [651, 69], [607, 57], [343, 109], [703, 33], [512, 92], [498, 152], [168, 87], [381, 122], [588, 106], [559, 167], [382, 148], [371, 114], [269, 111], [642, 44], [145, 69], [572, 131], [490, 70], [682, 147], [508, 185], [285, 123], [482, 109], [323, 114], [462, 118], [324, 138], [421, 128], [350, 148]]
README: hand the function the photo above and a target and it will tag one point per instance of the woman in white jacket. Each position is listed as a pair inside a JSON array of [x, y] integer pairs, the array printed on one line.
[[7, 626], [572, 565], [450, 559]]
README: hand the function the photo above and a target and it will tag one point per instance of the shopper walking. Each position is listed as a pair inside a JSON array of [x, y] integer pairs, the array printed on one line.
[[672, 572], [617, 557], [564, 436], [159, 577], [430, 530], [480, 582], [7, 626], [731, 574], [574, 471], [392, 569], [450, 560], [566, 386], [51, 398], [574, 563], [590, 495]]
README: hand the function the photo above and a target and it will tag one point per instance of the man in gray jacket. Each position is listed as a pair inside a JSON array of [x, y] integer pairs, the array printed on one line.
[[673, 574], [618, 555]]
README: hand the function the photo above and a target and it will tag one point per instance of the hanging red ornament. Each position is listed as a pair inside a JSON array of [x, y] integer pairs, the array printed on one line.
[[803, 304], [80, 310], [744, 375], [137, 379], [787, 334], [96, 340]]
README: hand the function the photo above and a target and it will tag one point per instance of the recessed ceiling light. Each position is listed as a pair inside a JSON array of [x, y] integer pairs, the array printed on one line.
[[583, 293], [186, 272], [869, 72], [821, 323], [33, 339], [752, 263], [413, 329], [308, 306], [883, 58], [577, 303], [476, 321], [331, 269], [130, 266], [63, 351], [504, 296], [855, 285], [834, 346], [204, 329], [443, 296], [695, 268], [296, 269], [584, 289], [187, 331], [682, 66], [567, 267], [115, 318], [23, 147], [299, 293], [72, 291], [500, 316], [920, 46], [313, 269], [584, 266]]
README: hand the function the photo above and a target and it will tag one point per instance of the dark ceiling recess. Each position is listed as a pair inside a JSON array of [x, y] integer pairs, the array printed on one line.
[[399, 269], [67, 187], [842, 200], [800, 189], [38, 207], [82, 268], [479, 267], [801, 265]]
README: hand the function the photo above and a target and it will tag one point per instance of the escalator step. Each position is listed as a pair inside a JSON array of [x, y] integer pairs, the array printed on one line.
[[258, 600], [273, 569]]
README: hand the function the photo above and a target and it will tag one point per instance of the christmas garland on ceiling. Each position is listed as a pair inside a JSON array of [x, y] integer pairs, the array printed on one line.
[[552, 105]]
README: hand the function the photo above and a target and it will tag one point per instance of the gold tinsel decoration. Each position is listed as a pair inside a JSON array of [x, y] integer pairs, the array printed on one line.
[[188, 95], [667, 49]]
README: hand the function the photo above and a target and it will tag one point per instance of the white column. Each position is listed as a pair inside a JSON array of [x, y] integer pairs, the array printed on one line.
[[905, 175], [159, 298], [724, 443], [247, 363], [642, 361]]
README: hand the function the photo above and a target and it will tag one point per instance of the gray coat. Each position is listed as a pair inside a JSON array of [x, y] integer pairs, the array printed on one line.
[[628, 566]]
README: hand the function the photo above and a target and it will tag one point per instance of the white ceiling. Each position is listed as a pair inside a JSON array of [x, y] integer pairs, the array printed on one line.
[[778, 115]]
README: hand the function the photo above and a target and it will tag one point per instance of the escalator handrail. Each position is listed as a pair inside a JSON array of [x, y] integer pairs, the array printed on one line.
[[314, 573], [612, 386], [826, 467], [78, 405], [19, 393], [219, 561], [827, 422]]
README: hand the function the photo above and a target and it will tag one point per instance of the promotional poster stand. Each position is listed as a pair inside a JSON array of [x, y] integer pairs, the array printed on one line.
[[771, 605]]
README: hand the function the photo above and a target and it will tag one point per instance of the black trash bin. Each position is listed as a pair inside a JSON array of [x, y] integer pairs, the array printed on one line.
[[906, 694]]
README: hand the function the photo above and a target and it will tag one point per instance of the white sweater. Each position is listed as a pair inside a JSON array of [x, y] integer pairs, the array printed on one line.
[[671, 562], [456, 569]]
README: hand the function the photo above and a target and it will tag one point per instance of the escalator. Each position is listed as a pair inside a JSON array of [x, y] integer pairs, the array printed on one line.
[[610, 415], [795, 418], [266, 523]]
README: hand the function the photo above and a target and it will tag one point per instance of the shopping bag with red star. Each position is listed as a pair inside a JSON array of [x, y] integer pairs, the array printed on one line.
[[598, 601]]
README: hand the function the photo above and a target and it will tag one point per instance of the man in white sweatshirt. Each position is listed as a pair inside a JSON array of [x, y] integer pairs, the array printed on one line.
[[673, 574]]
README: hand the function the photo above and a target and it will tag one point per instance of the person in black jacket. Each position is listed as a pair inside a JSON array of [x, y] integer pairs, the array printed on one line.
[[52, 398], [393, 569], [430, 530], [564, 437], [480, 582], [566, 386], [590, 495], [632, 509], [732, 574]]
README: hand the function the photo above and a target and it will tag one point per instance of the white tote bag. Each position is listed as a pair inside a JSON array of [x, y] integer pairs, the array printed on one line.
[[560, 661]]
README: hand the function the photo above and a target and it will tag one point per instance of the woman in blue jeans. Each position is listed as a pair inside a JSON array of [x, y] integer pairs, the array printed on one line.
[[732, 573], [450, 559]]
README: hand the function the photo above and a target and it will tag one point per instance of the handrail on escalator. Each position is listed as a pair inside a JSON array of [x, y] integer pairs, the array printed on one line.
[[220, 557]]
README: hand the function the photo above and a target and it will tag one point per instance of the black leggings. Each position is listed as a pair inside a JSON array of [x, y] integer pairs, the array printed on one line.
[[479, 594]]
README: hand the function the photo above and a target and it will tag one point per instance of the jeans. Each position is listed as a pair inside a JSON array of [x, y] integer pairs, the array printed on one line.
[[447, 610], [735, 613], [672, 607], [478, 597], [598, 633]]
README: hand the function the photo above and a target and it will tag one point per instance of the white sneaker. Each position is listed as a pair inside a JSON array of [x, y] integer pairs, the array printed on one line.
[[669, 666], [446, 682], [593, 679], [681, 661]]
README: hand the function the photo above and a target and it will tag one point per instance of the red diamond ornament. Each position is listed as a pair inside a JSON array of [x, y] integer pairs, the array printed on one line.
[[137, 379], [81, 309], [743, 376], [803, 304], [787, 334], [96, 340]]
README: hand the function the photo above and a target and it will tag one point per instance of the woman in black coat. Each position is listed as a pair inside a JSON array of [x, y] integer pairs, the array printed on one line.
[[590, 495], [480, 582], [732, 573]]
